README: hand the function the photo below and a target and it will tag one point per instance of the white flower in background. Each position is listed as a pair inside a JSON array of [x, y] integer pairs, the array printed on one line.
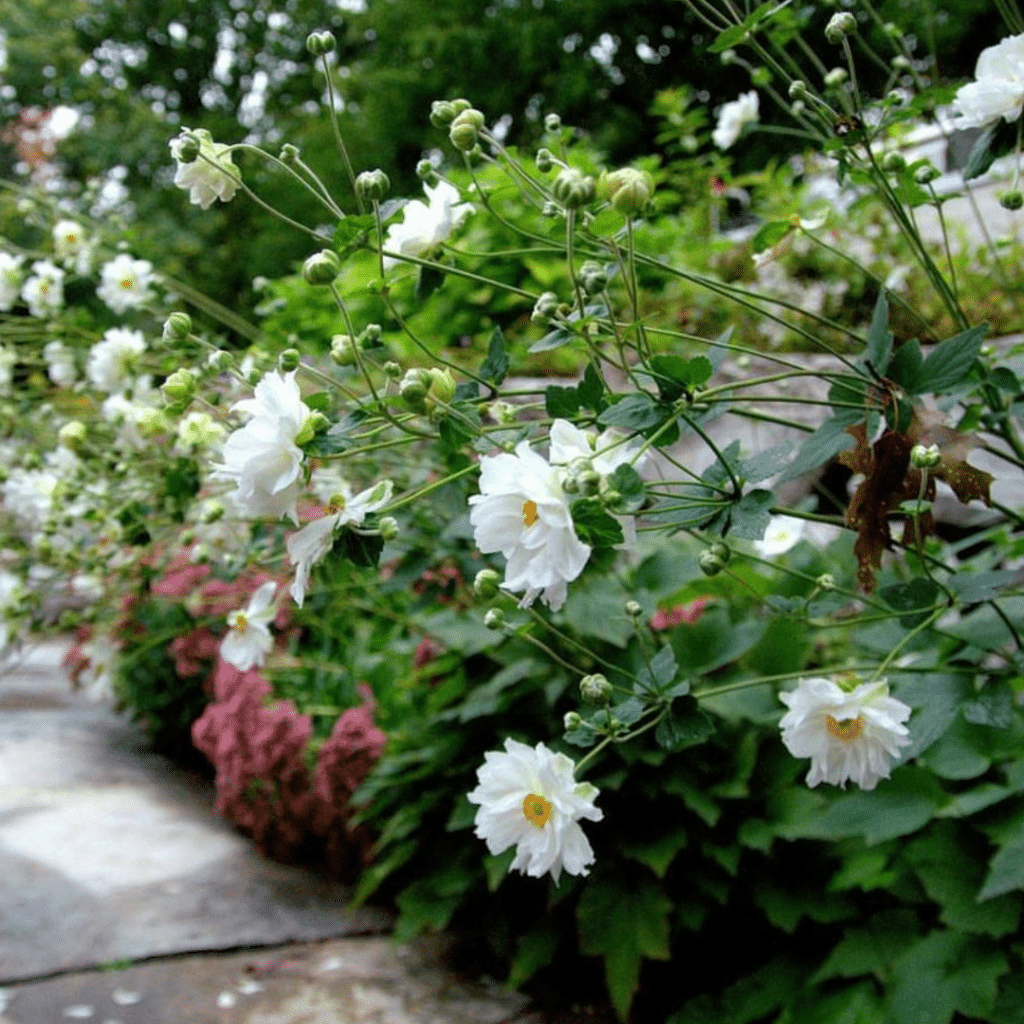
[[307, 546], [848, 734], [28, 495], [424, 227], [138, 414], [523, 512], [783, 533], [60, 364], [212, 175], [112, 360], [529, 798], [125, 283], [11, 278], [248, 640], [8, 359], [606, 451], [97, 678], [44, 290], [998, 89], [71, 246], [734, 117], [197, 431], [263, 458]]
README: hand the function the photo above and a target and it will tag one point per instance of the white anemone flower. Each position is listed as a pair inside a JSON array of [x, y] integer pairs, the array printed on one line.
[[248, 641], [11, 277], [44, 290], [523, 512], [848, 734], [605, 452], [783, 533], [263, 458], [111, 361], [307, 546], [529, 798], [125, 283], [71, 246], [424, 227], [998, 89], [212, 175], [60, 364], [734, 117]]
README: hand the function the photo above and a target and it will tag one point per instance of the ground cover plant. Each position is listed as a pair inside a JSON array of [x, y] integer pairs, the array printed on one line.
[[557, 658]]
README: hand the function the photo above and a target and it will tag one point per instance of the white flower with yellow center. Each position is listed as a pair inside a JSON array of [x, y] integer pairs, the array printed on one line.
[[424, 227], [125, 283], [111, 365], [847, 733], [783, 533], [211, 175], [263, 458], [523, 512], [248, 640], [307, 546], [528, 798], [734, 117], [44, 290], [11, 277], [998, 89], [71, 246]]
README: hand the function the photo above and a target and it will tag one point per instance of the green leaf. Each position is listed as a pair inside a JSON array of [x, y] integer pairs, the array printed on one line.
[[662, 671], [351, 229], [684, 725], [624, 919], [1006, 869], [871, 948], [658, 853], [949, 362], [919, 593], [1006, 380], [496, 867], [599, 606], [676, 376], [561, 402], [765, 464], [905, 365], [536, 949], [429, 903], [770, 233], [824, 444], [636, 411], [981, 157], [974, 587], [591, 389], [428, 280], [751, 514], [994, 707], [593, 525], [628, 483], [495, 366], [750, 999], [737, 33], [879, 347]]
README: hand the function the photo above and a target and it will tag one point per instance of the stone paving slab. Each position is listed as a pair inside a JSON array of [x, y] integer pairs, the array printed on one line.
[[341, 981], [109, 851]]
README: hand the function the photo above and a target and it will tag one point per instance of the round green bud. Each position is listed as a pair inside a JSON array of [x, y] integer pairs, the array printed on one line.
[[319, 44], [798, 90], [572, 720], [72, 434], [288, 360], [826, 581], [465, 129], [494, 619], [487, 584], [760, 77], [426, 172], [925, 458], [593, 277], [627, 189], [721, 551], [322, 267], [219, 361], [189, 147], [552, 123], [442, 386], [343, 350], [180, 386], [710, 563], [503, 413], [797, 108], [392, 370], [177, 326], [572, 188], [835, 78], [1011, 200], [926, 173], [318, 422], [442, 113], [890, 28], [289, 154], [373, 185], [728, 57], [840, 26], [414, 387], [545, 160], [633, 609], [389, 528], [370, 336], [550, 209], [893, 163], [900, 63], [544, 308], [595, 688], [152, 422]]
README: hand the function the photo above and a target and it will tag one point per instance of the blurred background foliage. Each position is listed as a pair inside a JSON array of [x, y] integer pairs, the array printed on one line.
[[136, 71]]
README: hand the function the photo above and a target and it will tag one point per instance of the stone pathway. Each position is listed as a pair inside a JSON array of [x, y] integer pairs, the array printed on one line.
[[126, 900]]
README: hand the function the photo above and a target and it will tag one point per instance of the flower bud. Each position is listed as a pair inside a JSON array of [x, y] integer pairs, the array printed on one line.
[[389, 528], [370, 336], [442, 386], [494, 619], [552, 122], [798, 90], [213, 511], [322, 267], [593, 277], [893, 163], [797, 108], [219, 361], [761, 77], [465, 129], [721, 551], [180, 387], [544, 308], [550, 209], [925, 458], [427, 173], [572, 188], [627, 189], [572, 720], [728, 57], [288, 360], [1011, 200], [414, 387], [900, 63], [152, 422], [177, 327], [392, 370], [72, 434], [826, 581], [840, 26], [442, 113], [289, 154], [503, 413], [890, 28], [926, 173], [544, 160], [633, 609], [835, 78], [343, 349], [320, 44], [373, 185], [487, 584], [318, 422], [187, 149], [710, 563], [595, 688]]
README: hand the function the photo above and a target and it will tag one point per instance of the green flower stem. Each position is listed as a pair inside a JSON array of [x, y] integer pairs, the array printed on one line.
[[746, 684], [904, 640], [575, 644], [486, 203], [945, 241], [752, 414], [228, 317], [315, 187], [459, 272], [422, 492], [625, 738], [336, 129], [697, 429], [570, 230], [851, 65], [380, 238]]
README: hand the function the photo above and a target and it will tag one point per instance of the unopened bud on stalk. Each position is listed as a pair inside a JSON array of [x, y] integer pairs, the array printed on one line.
[[593, 277], [188, 148], [392, 370], [288, 360], [373, 185], [72, 434], [572, 720], [180, 387], [343, 349], [840, 26], [552, 122], [319, 44], [389, 528], [545, 308], [797, 108], [219, 361], [926, 173], [442, 386], [1011, 200], [633, 609], [443, 112], [322, 267], [900, 63], [289, 154], [710, 563], [177, 327], [893, 163], [414, 387], [925, 458], [826, 581], [835, 78], [427, 173], [761, 77], [798, 89], [503, 413], [728, 57], [487, 584], [465, 129], [627, 189], [544, 160], [595, 688], [370, 336], [572, 188], [494, 619]]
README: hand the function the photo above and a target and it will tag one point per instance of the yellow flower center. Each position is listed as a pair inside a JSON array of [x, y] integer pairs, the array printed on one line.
[[240, 624], [71, 239], [127, 283], [529, 513], [847, 730], [536, 810]]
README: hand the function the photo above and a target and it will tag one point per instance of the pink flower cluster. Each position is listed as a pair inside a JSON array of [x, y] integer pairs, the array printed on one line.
[[678, 614], [264, 786]]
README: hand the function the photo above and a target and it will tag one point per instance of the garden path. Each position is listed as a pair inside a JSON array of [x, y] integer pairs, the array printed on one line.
[[126, 900]]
